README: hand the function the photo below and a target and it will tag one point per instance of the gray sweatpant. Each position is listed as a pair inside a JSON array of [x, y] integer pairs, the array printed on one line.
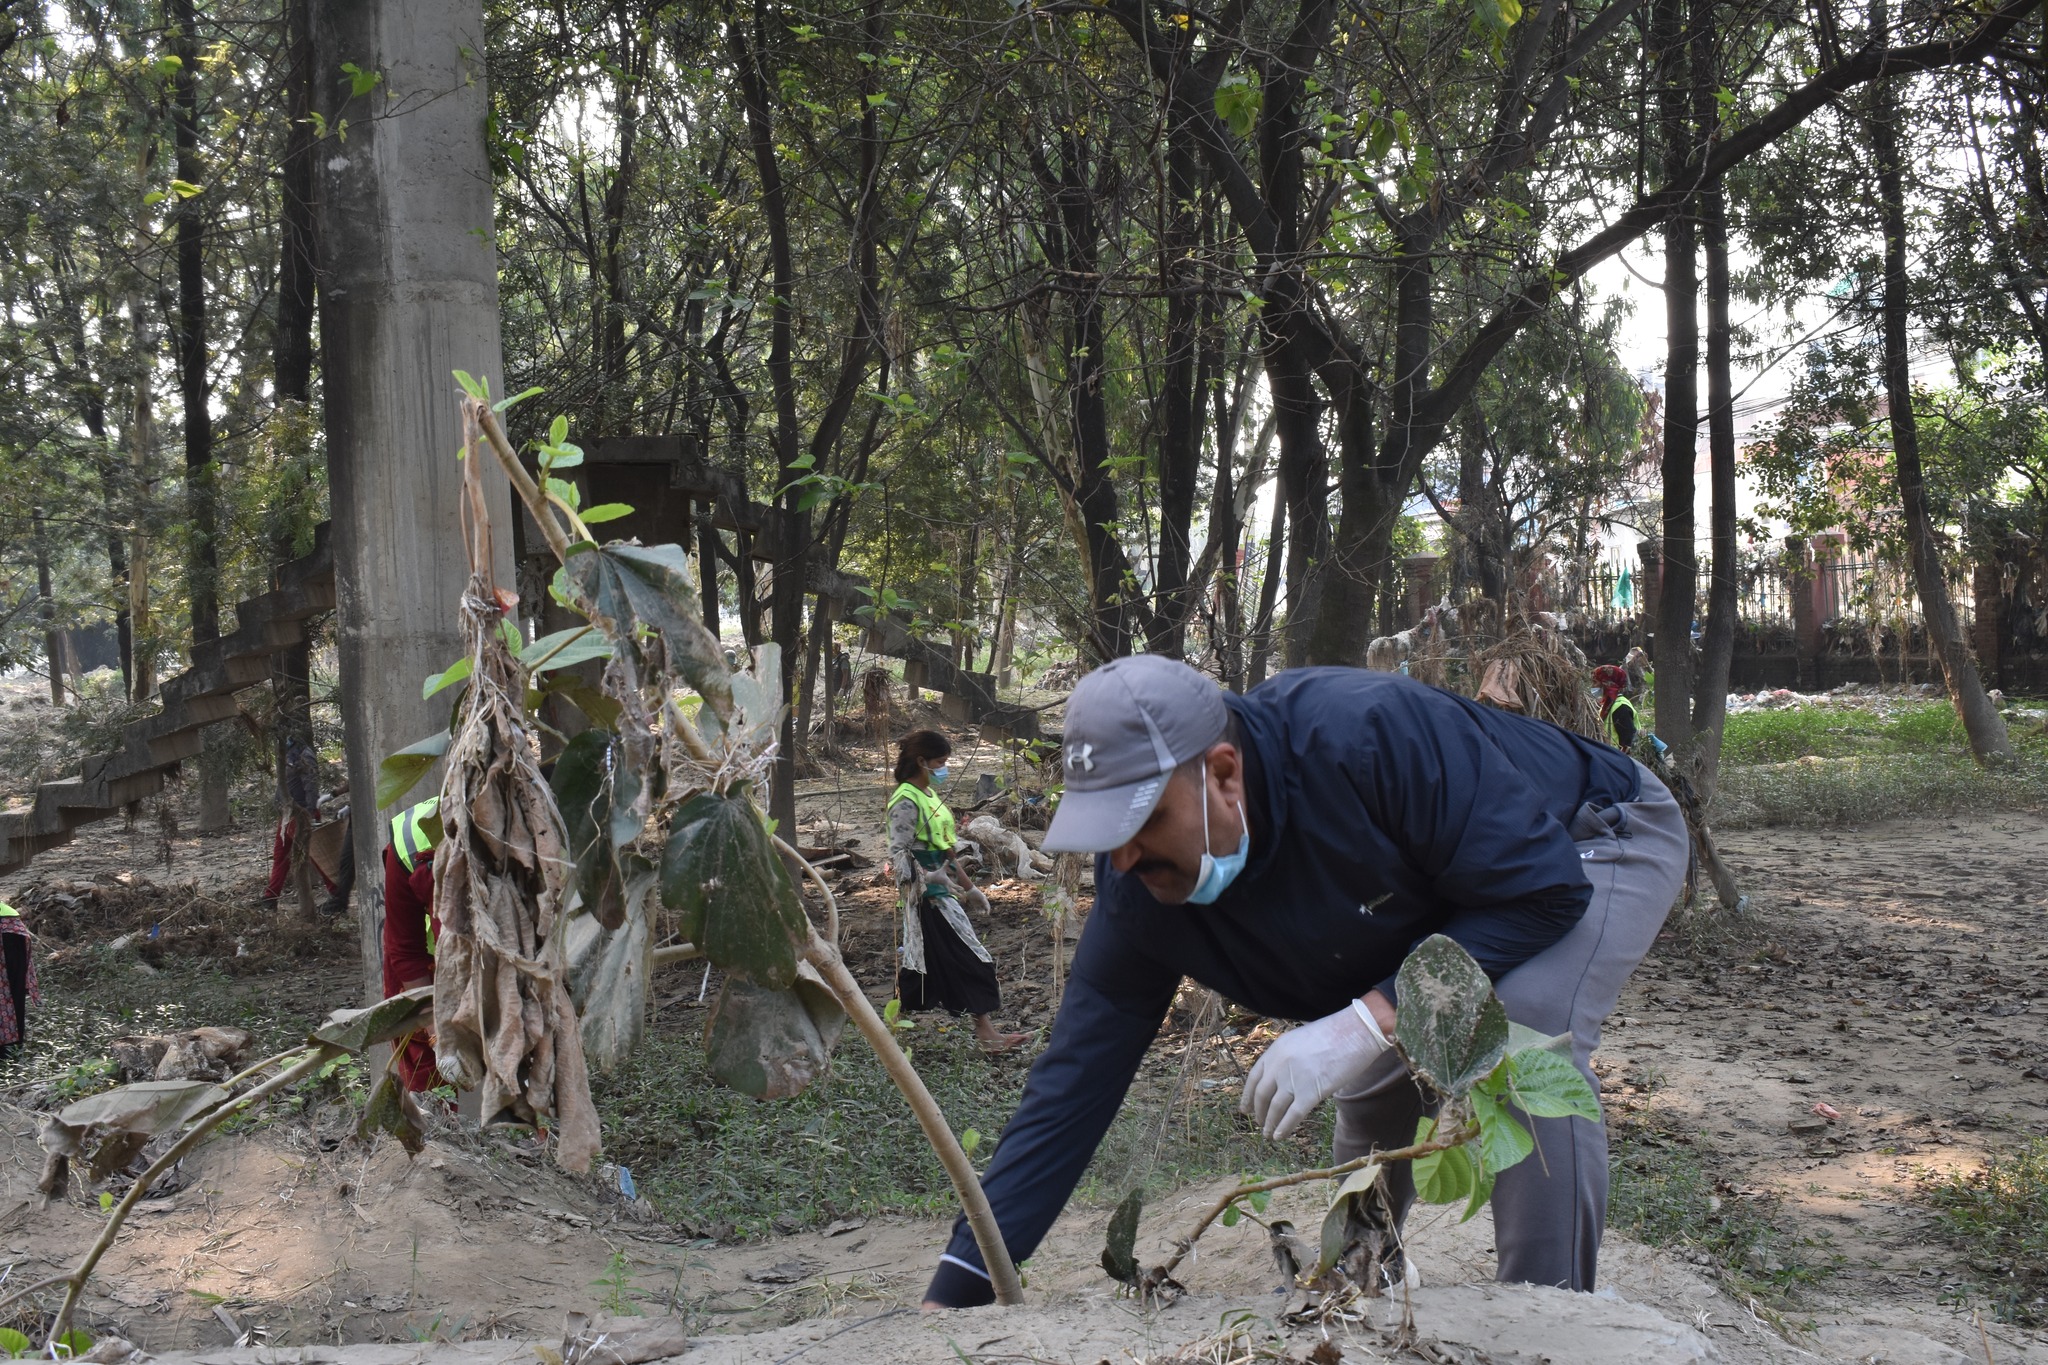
[[1548, 1211]]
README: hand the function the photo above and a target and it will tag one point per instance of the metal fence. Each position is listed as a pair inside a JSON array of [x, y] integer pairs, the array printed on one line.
[[1845, 593]]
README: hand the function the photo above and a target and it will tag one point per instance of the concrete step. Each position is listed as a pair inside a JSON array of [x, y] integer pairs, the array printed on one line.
[[152, 748]]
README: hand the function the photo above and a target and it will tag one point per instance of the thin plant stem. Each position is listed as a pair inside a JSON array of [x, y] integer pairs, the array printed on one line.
[[314, 1059], [1002, 1272], [1461, 1134]]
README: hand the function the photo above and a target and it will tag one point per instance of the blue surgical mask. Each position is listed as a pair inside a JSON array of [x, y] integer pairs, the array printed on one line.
[[939, 774], [1219, 873]]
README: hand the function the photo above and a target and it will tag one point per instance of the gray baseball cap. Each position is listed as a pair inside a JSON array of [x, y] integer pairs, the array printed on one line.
[[1130, 723]]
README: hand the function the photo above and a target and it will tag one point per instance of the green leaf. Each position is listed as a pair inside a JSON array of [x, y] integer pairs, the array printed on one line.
[[392, 1017], [1445, 1177], [1379, 140], [565, 455], [558, 430], [14, 1344], [731, 892], [185, 189], [447, 677], [391, 1110], [1450, 1027], [970, 1140], [1521, 1038], [106, 1200], [771, 1044], [566, 491], [1260, 1200], [565, 649], [602, 710], [1544, 1085], [1482, 1187], [401, 772], [628, 587], [1231, 1217], [1237, 103], [582, 785], [1502, 1141], [75, 1342], [606, 511], [361, 82], [1119, 1246], [472, 386], [507, 404]]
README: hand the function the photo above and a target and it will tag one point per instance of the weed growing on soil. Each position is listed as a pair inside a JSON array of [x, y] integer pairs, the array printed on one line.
[[1998, 1217], [1661, 1193]]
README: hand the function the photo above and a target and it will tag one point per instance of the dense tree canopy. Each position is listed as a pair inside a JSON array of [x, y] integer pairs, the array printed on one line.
[[1142, 325]]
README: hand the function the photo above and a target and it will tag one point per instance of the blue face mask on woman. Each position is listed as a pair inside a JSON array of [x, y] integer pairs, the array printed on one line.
[[939, 774], [1219, 873]]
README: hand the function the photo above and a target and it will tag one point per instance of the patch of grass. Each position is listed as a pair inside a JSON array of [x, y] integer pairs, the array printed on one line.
[[727, 1165], [1661, 1193], [1879, 786], [1839, 731], [1998, 1218]]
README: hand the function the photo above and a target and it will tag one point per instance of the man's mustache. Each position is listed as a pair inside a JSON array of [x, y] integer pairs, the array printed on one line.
[[1145, 865]]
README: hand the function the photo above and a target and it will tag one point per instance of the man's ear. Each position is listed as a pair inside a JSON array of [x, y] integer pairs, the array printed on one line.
[[1228, 765]]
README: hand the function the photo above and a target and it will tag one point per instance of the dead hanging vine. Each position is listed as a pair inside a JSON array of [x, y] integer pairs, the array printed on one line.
[[656, 800]]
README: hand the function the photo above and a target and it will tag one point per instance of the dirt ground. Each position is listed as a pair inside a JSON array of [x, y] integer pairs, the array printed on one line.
[[1891, 973]]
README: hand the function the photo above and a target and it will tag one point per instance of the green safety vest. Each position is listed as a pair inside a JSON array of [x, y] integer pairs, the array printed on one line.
[[934, 818], [8, 912], [1613, 734], [416, 831]]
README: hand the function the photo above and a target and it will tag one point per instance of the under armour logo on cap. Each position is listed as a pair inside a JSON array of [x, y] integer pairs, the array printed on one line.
[[1083, 755]]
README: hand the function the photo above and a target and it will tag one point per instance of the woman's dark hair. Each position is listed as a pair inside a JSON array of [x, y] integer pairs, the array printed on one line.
[[919, 746]]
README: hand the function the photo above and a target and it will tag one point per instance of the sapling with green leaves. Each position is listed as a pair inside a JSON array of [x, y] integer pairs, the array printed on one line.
[[1455, 1035]]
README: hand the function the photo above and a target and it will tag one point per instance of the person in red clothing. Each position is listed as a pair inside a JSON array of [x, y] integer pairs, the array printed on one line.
[[302, 796], [410, 929]]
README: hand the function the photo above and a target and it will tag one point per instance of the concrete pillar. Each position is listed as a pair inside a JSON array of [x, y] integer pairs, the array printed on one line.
[[408, 295], [1987, 630], [1649, 591], [1799, 584], [1419, 572], [1829, 548]]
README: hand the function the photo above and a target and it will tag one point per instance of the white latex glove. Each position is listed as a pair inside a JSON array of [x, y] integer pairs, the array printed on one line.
[[979, 900], [1308, 1064]]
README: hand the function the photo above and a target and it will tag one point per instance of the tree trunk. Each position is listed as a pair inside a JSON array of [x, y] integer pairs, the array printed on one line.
[[1989, 742], [409, 293], [53, 638], [1675, 604], [786, 609], [1717, 655], [1269, 588], [292, 368], [141, 629], [202, 566]]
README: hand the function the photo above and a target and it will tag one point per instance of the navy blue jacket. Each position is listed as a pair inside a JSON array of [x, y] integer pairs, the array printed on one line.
[[1383, 811]]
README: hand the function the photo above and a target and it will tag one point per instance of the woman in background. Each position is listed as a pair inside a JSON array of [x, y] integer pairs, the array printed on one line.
[[944, 965]]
